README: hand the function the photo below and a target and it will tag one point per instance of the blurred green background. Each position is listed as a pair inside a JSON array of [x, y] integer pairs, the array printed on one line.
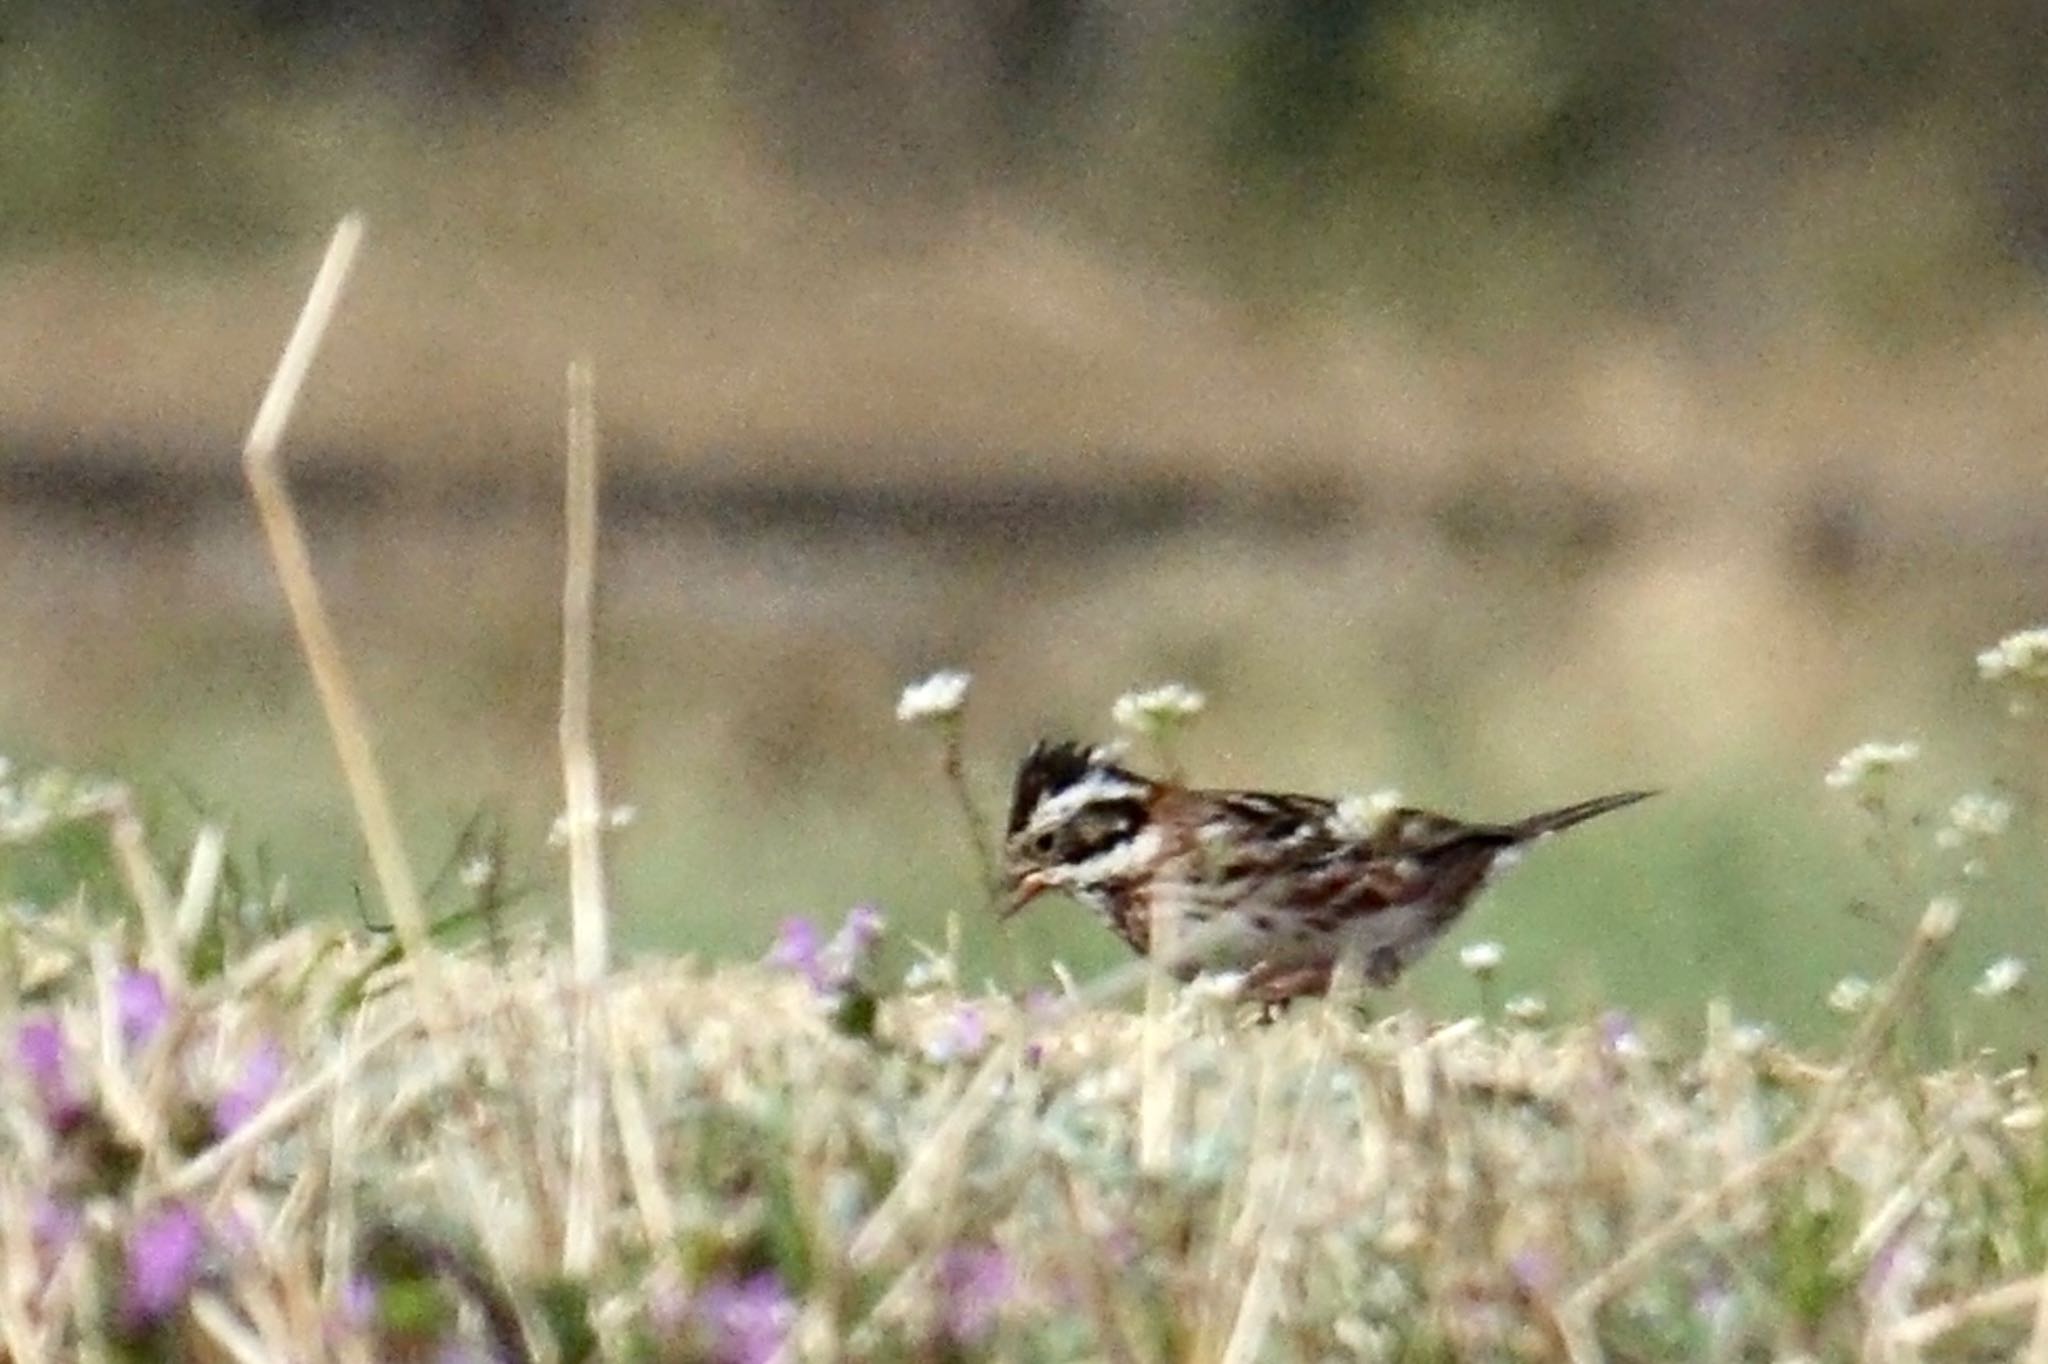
[[1501, 400]]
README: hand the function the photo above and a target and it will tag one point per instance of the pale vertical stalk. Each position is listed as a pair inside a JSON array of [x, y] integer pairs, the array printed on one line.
[[977, 835], [146, 887], [1260, 1301], [1158, 1098], [202, 881], [589, 926], [294, 563], [637, 1144], [2037, 1345]]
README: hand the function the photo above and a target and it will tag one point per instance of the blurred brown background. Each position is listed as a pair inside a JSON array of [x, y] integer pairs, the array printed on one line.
[[1497, 399]]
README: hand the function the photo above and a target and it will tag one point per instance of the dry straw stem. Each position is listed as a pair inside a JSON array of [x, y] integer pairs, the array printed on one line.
[[282, 1114], [1261, 1298], [589, 924], [146, 887], [202, 881], [2037, 1345], [1575, 1316], [2006, 1300], [294, 563], [937, 1161], [1159, 1098]]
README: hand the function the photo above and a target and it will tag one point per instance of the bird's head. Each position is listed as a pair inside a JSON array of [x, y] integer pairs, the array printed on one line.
[[1076, 823]]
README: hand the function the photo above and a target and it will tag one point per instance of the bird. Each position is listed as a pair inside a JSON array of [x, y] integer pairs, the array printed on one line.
[[1276, 886]]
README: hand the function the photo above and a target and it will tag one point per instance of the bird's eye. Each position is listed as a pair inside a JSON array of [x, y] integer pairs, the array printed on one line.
[[1042, 843]]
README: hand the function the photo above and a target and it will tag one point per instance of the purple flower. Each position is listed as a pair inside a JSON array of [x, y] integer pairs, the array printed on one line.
[[1618, 1033], [262, 1071], [141, 1005], [1896, 1269], [53, 1226], [746, 1321], [40, 1049], [858, 935], [974, 1283], [961, 1036], [164, 1247], [829, 966], [357, 1310], [1534, 1272], [797, 948]]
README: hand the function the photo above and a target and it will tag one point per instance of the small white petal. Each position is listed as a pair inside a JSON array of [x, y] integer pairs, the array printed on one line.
[[1851, 995], [2021, 656], [1865, 764], [1482, 958], [1158, 709], [938, 697], [2001, 978]]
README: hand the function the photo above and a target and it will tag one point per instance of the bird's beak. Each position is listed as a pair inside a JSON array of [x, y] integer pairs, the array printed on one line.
[[1029, 887]]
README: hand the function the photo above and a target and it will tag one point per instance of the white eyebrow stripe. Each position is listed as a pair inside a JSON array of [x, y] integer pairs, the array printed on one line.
[[1095, 787]]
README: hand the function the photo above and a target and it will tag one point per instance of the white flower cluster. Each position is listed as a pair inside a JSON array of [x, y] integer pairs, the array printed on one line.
[[1482, 958], [939, 697], [2021, 656], [1528, 1010], [1974, 818], [1365, 816], [1866, 764], [1159, 709], [2001, 978], [1851, 995], [30, 806]]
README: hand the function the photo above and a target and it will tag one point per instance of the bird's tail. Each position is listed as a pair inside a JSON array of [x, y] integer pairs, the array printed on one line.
[[1550, 821]]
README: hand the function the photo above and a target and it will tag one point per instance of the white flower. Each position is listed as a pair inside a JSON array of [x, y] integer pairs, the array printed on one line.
[[1748, 1039], [1528, 1009], [938, 697], [1481, 958], [1851, 995], [928, 973], [478, 870], [1866, 763], [2001, 978], [1155, 711], [1974, 818], [1360, 817], [2021, 656]]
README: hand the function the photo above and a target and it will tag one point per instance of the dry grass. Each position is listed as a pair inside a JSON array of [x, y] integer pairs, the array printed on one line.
[[1402, 1189]]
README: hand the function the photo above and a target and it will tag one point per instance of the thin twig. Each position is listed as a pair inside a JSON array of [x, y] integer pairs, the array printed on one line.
[[202, 881], [2008, 1299], [146, 887], [589, 915], [346, 723]]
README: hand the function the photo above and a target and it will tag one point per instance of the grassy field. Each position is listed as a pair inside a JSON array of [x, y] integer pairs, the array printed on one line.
[[229, 1143], [745, 710], [1739, 1083]]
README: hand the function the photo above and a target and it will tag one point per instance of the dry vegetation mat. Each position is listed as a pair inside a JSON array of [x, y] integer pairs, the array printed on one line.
[[282, 1159]]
